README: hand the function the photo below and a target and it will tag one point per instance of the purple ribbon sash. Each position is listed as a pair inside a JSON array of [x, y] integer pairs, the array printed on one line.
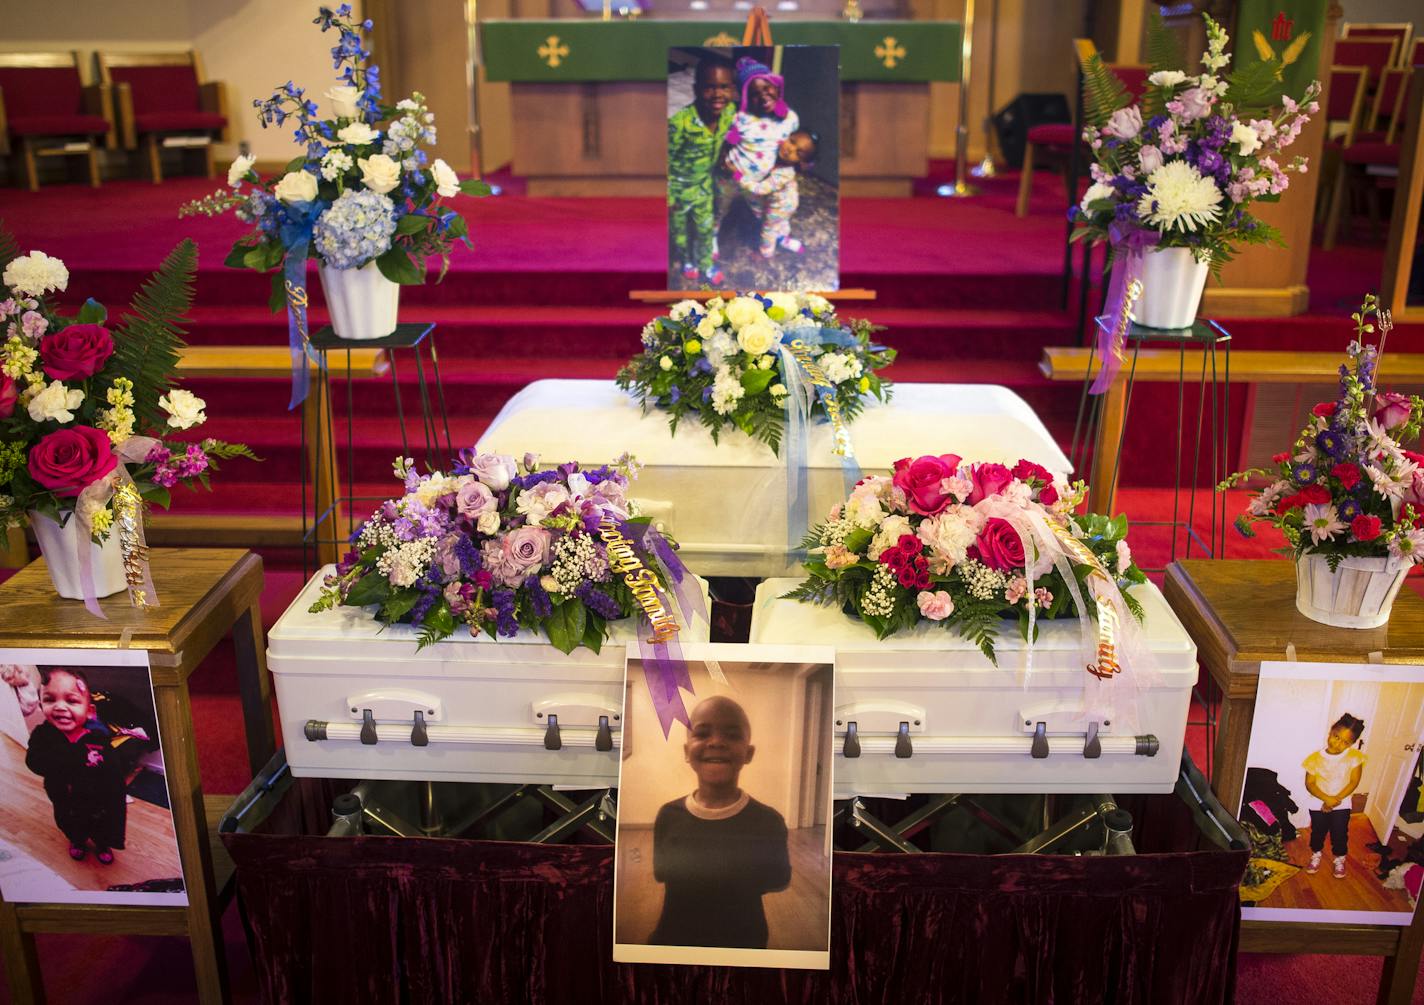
[[1129, 244]]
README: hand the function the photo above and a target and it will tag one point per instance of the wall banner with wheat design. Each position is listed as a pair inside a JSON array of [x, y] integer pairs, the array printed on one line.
[[1284, 31]]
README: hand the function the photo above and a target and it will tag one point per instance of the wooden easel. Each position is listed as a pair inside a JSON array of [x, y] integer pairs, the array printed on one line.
[[756, 32]]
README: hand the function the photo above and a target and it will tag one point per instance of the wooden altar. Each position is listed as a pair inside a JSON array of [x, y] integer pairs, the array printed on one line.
[[590, 97]]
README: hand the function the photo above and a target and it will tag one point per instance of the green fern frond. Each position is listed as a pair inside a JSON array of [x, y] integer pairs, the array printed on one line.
[[9, 247], [148, 340], [1135, 606], [813, 591], [1254, 87], [1103, 91], [1164, 46]]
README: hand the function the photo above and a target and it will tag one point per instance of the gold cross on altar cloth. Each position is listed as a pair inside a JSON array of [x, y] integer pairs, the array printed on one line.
[[890, 52], [553, 51]]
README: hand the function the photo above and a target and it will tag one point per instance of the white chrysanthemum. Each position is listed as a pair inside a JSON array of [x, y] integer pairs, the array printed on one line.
[[36, 274], [727, 390], [1178, 197], [840, 367]]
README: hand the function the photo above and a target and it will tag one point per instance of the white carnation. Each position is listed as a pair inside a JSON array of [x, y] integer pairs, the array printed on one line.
[[36, 274], [336, 163], [682, 309], [238, 169], [888, 535], [1245, 138], [56, 402], [1179, 197], [184, 408], [357, 134], [1166, 78], [1097, 190], [447, 182]]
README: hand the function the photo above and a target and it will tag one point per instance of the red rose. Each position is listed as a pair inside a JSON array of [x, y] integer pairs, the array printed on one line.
[[922, 481], [1024, 470], [999, 546], [1048, 495], [1282, 457], [1415, 457], [1349, 474], [1365, 528], [910, 545], [1325, 409], [1317, 494], [989, 480], [8, 394], [69, 459], [76, 351]]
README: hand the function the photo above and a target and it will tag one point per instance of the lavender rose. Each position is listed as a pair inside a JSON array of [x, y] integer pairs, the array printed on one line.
[[473, 499], [527, 549], [495, 470]]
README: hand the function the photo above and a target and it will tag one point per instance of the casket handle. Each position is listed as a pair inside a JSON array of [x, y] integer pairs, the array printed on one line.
[[604, 738], [368, 728], [552, 740], [1040, 741], [903, 748], [419, 735], [852, 740], [1092, 746]]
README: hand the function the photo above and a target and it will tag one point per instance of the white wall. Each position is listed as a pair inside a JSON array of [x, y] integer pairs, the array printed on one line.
[[655, 772], [1384, 10]]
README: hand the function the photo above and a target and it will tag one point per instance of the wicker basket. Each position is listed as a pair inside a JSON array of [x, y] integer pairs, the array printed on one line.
[[1358, 594]]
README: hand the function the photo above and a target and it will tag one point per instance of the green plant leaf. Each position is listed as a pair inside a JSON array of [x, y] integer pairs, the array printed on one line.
[[566, 625], [370, 589], [475, 187], [398, 605], [757, 381], [397, 266], [92, 313], [1103, 91], [412, 224], [277, 296], [9, 247]]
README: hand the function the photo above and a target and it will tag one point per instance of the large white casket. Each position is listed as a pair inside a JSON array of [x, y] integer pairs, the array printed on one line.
[[356, 700], [930, 713], [725, 503]]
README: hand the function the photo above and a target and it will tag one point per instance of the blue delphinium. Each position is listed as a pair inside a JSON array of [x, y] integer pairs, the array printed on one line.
[[356, 229]]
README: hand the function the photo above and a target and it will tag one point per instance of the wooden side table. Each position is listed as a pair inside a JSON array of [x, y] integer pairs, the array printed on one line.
[[1241, 614], [204, 595]]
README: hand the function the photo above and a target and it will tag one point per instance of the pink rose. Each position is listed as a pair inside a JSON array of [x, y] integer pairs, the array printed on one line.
[[999, 546], [76, 351], [1414, 491], [1149, 158], [936, 606], [495, 470], [1024, 470], [1125, 123], [1193, 103], [8, 394], [527, 549], [474, 499], [922, 480], [989, 480], [1392, 409], [69, 459]]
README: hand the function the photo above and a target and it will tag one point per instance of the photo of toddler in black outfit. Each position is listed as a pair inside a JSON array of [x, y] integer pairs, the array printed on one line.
[[718, 850]]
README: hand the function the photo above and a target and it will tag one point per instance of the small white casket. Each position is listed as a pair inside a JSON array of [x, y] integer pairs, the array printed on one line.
[[725, 503], [356, 700], [931, 714]]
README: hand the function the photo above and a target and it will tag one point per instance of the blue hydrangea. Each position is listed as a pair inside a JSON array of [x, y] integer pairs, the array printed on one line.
[[356, 229]]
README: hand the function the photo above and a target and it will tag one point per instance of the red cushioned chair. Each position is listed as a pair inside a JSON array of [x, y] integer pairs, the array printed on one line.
[[162, 104], [1403, 31], [46, 111], [1344, 120], [1378, 54], [1373, 162]]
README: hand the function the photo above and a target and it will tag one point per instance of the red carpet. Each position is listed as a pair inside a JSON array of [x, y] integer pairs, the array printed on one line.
[[969, 292]]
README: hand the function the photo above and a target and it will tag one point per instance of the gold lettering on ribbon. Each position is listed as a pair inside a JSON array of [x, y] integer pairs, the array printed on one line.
[[128, 524], [802, 353], [1106, 664], [640, 580], [297, 297]]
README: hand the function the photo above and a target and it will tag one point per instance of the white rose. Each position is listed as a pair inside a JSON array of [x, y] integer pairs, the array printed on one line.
[[706, 328], [55, 402], [296, 186], [1246, 138], [184, 408], [777, 390], [379, 173], [1166, 78], [447, 182], [343, 98], [682, 309], [358, 134], [757, 337], [488, 523], [743, 311], [239, 168], [1097, 190], [36, 274]]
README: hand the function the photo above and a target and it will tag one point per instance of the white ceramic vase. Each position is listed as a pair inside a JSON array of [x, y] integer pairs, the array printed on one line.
[[362, 302], [57, 544], [1172, 284], [1358, 594]]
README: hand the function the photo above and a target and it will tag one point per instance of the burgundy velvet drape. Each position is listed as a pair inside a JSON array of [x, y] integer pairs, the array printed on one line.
[[432, 920]]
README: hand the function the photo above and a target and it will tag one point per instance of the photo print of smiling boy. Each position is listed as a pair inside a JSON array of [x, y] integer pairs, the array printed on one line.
[[723, 851]]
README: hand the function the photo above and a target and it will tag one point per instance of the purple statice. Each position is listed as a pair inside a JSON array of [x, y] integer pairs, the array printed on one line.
[[348, 560], [430, 593], [1303, 473], [703, 366], [706, 395], [505, 622], [539, 601], [536, 478], [468, 555], [674, 395], [598, 602]]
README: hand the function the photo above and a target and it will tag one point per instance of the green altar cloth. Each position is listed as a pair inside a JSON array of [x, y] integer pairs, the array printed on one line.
[[567, 51]]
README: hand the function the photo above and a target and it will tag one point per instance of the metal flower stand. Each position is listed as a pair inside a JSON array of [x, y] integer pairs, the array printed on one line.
[[331, 505]]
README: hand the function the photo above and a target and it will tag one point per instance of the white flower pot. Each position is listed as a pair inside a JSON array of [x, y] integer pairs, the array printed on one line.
[[57, 544], [362, 302], [1172, 284], [1358, 594]]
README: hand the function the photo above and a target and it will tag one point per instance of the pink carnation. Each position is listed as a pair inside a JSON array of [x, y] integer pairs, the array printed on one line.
[[936, 606]]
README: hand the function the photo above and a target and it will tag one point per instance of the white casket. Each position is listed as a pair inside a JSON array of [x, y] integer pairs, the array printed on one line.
[[356, 700], [963, 725], [725, 503]]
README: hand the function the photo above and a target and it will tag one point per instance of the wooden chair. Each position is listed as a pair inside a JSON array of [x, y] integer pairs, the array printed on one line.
[[1401, 30], [1377, 54], [1374, 161], [163, 103], [1387, 106], [1344, 118], [1416, 54], [47, 111]]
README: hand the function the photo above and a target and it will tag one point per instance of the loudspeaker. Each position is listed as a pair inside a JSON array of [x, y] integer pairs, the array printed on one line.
[[1013, 121]]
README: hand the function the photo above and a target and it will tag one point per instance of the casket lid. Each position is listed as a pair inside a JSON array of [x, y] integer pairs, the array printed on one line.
[[981, 422]]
